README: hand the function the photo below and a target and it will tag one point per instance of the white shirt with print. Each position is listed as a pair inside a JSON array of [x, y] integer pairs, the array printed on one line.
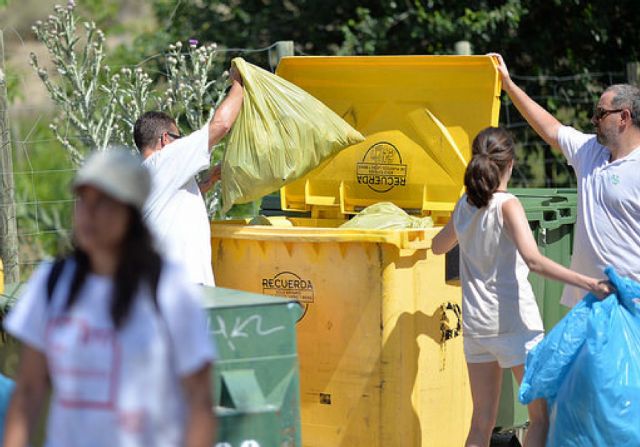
[[175, 209], [114, 387], [607, 230]]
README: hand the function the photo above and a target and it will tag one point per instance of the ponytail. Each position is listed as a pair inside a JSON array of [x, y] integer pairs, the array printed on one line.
[[481, 179], [492, 152]]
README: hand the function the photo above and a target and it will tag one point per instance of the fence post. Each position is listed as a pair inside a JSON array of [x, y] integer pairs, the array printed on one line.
[[8, 228], [281, 49], [463, 48], [633, 73]]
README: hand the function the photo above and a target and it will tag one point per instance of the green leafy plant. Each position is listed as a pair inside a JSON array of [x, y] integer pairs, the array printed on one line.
[[191, 93], [76, 90], [99, 107]]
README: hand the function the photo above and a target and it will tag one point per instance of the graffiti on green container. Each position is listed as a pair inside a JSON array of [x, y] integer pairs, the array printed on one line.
[[239, 328]]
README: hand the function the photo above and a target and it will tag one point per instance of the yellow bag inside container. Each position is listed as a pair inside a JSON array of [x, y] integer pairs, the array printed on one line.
[[387, 216], [281, 134]]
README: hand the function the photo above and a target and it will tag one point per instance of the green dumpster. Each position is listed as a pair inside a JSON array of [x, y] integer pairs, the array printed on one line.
[[552, 215], [256, 376], [256, 379]]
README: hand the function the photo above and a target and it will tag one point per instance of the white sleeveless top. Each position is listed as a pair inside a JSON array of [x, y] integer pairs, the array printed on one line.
[[497, 298]]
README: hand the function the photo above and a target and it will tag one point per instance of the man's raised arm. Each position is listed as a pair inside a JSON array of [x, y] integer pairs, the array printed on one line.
[[226, 114], [545, 124]]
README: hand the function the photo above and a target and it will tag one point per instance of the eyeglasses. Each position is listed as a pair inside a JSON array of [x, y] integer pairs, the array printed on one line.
[[600, 113], [172, 135]]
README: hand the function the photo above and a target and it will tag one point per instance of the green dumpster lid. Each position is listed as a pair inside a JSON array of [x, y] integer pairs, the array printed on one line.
[[220, 297]]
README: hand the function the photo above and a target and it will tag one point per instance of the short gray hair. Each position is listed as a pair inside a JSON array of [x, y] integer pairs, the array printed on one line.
[[626, 95]]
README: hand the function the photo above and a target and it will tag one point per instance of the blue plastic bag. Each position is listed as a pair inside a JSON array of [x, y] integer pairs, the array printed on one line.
[[588, 368], [549, 362], [6, 390]]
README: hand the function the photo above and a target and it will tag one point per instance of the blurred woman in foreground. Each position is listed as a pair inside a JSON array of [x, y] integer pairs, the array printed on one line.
[[113, 331]]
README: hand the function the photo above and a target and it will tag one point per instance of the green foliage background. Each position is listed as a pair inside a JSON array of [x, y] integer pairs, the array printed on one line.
[[554, 36], [560, 45], [537, 38]]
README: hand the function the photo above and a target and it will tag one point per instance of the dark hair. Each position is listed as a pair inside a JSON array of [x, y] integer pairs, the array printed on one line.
[[149, 127], [139, 263], [491, 152], [626, 96]]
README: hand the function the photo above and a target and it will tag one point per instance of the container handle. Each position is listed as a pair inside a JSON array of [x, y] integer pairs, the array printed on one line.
[[419, 243], [558, 216], [567, 215], [241, 391]]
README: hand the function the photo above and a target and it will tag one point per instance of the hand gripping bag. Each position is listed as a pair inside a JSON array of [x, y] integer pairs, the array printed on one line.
[[281, 134], [597, 401]]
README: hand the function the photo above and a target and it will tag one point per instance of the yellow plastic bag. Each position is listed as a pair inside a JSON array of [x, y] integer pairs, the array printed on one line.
[[387, 216], [281, 134]]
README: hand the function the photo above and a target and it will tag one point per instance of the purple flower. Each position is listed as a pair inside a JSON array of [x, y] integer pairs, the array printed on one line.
[[193, 43]]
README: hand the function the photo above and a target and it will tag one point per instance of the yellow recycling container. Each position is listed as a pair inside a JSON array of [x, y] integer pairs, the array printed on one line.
[[419, 115], [381, 361], [380, 348]]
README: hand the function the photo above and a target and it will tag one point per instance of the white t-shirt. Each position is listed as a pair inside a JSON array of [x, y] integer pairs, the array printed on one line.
[[114, 388], [497, 298], [607, 230], [175, 209]]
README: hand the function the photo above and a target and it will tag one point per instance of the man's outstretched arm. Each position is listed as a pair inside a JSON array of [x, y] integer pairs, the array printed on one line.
[[545, 124], [227, 112]]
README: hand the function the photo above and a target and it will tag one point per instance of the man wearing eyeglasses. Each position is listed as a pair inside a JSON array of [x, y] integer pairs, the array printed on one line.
[[607, 167], [175, 209]]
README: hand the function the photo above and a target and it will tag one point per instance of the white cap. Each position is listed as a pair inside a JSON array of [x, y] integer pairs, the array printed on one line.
[[118, 173]]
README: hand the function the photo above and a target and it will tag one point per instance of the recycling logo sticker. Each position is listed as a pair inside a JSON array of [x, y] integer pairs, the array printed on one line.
[[381, 168]]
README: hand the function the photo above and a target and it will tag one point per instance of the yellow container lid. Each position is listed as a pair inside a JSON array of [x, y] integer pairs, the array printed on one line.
[[419, 115]]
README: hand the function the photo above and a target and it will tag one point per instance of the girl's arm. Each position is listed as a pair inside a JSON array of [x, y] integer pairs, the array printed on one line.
[[201, 423], [517, 227], [27, 399], [445, 240]]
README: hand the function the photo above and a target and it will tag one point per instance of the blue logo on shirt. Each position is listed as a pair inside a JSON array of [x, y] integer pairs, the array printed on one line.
[[614, 178]]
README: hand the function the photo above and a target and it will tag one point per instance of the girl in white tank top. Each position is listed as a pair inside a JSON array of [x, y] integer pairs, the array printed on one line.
[[497, 251]]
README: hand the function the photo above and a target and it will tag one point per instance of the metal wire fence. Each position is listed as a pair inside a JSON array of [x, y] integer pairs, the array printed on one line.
[[43, 171], [571, 99]]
